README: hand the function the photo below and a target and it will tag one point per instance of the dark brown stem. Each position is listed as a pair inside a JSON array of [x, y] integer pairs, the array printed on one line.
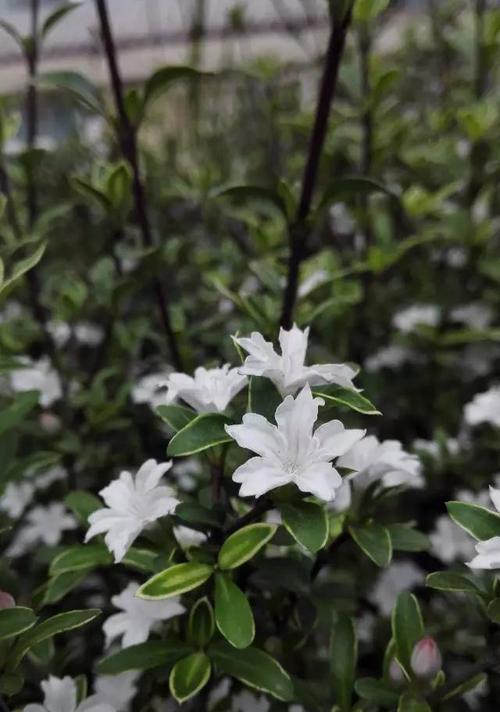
[[32, 55], [298, 232], [128, 142], [364, 44], [263, 505]]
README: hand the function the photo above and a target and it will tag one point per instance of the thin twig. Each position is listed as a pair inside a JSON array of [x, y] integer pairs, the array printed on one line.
[[128, 143], [298, 231]]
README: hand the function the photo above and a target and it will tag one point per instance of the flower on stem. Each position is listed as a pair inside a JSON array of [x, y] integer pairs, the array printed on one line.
[[60, 695], [133, 504], [426, 660], [484, 408], [44, 525], [138, 617], [412, 317], [211, 389], [386, 461], [290, 452], [37, 376], [488, 552], [288, 371], [6, 600]]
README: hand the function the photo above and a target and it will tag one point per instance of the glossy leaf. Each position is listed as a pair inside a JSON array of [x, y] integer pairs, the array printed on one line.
[[307, 523], [189, 676], [86, 556], [244, 544], [346, 397], [176, 416], [343, 659], [175, 580], [407, 627], [375, 542], [201, 623], [233, 614], [450, 581], [15, 620], [203, 432], [144, 656], [480, 522]]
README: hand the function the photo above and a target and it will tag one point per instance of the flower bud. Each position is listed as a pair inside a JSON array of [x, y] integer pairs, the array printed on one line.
[[396, 674], [6, 600], [426, 660], [50, 422]]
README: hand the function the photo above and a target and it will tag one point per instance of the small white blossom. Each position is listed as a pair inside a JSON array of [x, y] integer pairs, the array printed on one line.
[[151, 389], [138, 617], [484, 408], [132, 504], [186, 473], [488, 552], [60, 695], [474, 315], [290, 452], [372, 460], [288, 371], [117, 690], [60, 332], [409, 319], [37, 376], [88, 334], [16, 497], [400, 576], [392, 357], [43, 525], [309, 284], [187, 537], [209, 390], [449, 541]]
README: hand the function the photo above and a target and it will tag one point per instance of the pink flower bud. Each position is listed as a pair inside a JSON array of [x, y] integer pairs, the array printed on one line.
[[426, 660], [50, 422], [396, 674], [6, 600]]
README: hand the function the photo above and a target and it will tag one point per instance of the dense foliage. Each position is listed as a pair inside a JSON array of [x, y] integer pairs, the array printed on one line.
[[250, 376]]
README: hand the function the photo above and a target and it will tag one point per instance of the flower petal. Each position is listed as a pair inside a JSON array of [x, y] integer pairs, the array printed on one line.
[[258, 435], [258, 476], [335, 439], [320, 479]]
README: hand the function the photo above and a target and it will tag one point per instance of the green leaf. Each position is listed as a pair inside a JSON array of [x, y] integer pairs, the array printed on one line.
[[189, 676], [203, 432], [11, 684], [194, 513], [254, 668], [494, 610], [47, 629], [405, 538], [164, 77], [466, 686], [408, 703], [95, 195], [244, 544], [78, 85], [376, 691], [86, 556], [341, 188], [14, 414], [144, 656], [201, 623], [375, 542], [57, 15], [307, 523], [14, 621], [480, 522], [344, 396], [175, 416], [343, 658], [243, 193], [407, 627], [449, 581], [233, 614], [368, 10], [175, 580], [82, 504], [21, 268], [14, 34], [141, 559], [59, 586]]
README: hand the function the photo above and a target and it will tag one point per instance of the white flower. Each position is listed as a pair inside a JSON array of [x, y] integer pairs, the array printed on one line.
[[43, 525], [389, 357], [408, 319], [484, 408], [60, 695], [210, 390], [400, 576], [53, 474], [88, 334], [187, 537], [37, 376], [474, 315], [288, 371], [245, 701], [387, 461], [449, 541], [60, 332], [186, 473], [132, 505], [488, 552], [138, 617], [16, 498], [290, 452], [319, 276], [117, 690], [151, 389]]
